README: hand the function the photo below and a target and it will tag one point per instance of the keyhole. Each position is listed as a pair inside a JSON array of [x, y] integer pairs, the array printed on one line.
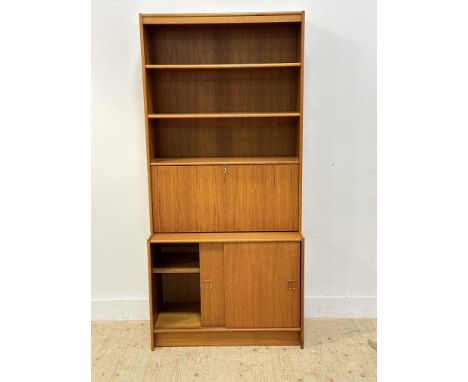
[[225, 170]]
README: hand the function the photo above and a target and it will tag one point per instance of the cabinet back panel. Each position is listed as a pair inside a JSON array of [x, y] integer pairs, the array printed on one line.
[[183, 138], [228, 90], [220, 44], [180, 287]]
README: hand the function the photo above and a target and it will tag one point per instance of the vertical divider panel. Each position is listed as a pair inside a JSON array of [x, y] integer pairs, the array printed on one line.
[[212, 284]]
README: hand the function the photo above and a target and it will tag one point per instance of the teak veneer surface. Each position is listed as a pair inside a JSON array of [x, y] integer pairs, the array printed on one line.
[[224, 237], [223, 115], [178, 319], [204, 161], [262, 285], [228, 137], [230, 90], [227, 338], [223, 66], [177, 263], [225, 198], [212, 284], [224, 120], [223, 44]]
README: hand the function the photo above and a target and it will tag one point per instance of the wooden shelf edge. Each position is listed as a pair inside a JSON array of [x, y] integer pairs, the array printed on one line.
[[175, 270], [220, 18], [223, 115], [224, 237], [225, 66], [204, 161]]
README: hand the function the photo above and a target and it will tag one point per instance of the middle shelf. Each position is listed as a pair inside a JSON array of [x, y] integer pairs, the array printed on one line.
[[224, 66], [223, 115]]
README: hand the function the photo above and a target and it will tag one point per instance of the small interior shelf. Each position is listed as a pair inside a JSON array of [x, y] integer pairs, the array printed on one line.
[[224, 66], [177, 263], [223, 160], [224, 115]]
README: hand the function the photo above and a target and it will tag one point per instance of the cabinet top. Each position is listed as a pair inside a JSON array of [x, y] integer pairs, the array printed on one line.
[[222, 18], [224, 237]]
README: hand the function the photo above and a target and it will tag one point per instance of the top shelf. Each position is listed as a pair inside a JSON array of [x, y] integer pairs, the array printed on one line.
[[226, 66]]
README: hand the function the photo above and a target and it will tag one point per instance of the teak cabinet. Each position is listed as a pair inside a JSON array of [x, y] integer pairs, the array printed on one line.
[[223, 112]]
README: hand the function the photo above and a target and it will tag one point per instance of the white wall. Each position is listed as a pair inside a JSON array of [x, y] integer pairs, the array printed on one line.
[[339, 180]]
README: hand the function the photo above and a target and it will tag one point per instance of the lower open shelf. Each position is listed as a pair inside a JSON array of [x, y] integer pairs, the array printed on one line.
[[179, 316]]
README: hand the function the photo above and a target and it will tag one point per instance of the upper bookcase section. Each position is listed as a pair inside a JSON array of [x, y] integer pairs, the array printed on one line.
[[218, 40]]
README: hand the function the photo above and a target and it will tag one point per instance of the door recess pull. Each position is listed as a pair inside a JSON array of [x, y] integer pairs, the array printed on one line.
[[225, 170], [208, 284]]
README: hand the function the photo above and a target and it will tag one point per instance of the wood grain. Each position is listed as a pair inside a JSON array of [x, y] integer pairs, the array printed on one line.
[[212, 284], [225, 237], [178, 319], [223, 115], [188, 198], [225, 198], [225, 19], [177, 263], [223, 44], [257, 281], [261, 198], [179, 288], [145, 43], [228, 338], [223, 66], [224, 137], [224, 122], [205, 161], [227, 91]]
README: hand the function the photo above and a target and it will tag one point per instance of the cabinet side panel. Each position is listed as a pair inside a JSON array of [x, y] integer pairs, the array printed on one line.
[[144, 43], [212, 284]]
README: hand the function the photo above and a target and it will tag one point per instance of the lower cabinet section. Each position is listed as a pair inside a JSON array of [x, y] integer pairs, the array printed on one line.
[[226, 293]]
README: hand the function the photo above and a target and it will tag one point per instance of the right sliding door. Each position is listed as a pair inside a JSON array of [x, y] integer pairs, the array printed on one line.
[[262, 285]]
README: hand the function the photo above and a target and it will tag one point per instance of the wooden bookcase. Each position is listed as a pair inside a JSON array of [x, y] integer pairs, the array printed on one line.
[[223, 111]]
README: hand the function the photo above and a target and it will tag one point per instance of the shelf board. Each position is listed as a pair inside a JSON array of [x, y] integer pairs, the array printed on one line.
[[224, 237], [174, 319], [223, 160], [224, 115], [224, 66], [177, 263]]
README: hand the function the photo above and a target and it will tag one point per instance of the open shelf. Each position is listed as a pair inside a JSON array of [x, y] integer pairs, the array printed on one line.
[[224, 115], [177, 263], [228, 91], [179, 316], [224, 66], [204, 43], [223, 160]]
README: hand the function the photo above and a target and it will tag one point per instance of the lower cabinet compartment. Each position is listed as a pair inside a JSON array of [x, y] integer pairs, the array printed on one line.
[[243, 293], [176, 285]]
